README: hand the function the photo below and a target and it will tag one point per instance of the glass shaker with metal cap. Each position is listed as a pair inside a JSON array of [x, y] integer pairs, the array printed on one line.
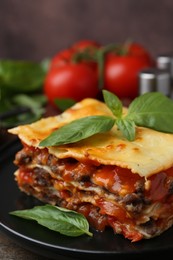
[[165, 61], [154, 79]]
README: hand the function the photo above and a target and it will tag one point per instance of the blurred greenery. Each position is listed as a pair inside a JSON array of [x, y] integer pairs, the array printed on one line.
[[21, 85]]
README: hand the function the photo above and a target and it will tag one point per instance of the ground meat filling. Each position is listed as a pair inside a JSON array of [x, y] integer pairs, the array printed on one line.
[[71, 170], [73, 184]]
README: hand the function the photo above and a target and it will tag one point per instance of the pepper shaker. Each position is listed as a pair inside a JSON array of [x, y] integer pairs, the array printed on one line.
[[154, 79]]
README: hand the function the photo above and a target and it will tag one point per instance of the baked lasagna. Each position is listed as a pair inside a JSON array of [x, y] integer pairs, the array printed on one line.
[[113, 182]]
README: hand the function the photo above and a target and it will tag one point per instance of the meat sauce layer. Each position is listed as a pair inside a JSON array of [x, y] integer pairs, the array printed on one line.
[[131, 192]]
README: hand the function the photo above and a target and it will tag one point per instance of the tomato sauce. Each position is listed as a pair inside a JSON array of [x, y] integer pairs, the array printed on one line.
[[25, 176], [113, 179], [160, 187], [116, 179]]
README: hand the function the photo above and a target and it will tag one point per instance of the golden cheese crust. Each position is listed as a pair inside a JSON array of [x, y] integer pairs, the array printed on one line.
[[150, 153]]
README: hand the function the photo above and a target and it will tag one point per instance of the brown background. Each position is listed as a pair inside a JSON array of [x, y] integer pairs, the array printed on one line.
[[35, 29]]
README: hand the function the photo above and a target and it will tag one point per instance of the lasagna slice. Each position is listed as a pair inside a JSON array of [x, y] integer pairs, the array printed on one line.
[[115, 183]]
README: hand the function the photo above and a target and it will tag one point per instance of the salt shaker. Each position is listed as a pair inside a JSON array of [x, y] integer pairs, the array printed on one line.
[[155, 79], [165, 61]]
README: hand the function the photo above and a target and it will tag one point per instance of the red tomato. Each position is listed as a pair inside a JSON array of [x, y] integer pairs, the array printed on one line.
[[121, 71], [87, 46], [75, 81], [61, 58], [138, 50], [83, 44], [65, 56]]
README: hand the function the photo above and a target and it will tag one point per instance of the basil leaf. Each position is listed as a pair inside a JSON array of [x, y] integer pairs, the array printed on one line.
[[21, 76], [79, 129], [152, 110], [5, 103], [127, 127], [64, 221], [64, 103], [113, 102], [35, 103], [45, 64]]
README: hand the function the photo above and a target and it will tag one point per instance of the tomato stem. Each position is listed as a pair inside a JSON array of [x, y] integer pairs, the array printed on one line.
[[100, 62], [89, 54], [100, 56], [125, 47]]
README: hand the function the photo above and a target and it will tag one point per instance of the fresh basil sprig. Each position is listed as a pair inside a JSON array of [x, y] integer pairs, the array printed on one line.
[[151, 110], [127, 127], [113, 102], [79, 129], [64, 221]]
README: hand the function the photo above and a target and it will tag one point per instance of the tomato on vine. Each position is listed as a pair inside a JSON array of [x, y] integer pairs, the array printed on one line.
[[72, 80], [87, 67], [85, 44], [122, 67]]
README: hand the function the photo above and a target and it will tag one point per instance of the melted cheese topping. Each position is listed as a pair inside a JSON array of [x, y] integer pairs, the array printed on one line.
[[150, 153]]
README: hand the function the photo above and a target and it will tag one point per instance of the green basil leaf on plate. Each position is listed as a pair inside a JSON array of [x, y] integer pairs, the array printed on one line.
[[64, 221]]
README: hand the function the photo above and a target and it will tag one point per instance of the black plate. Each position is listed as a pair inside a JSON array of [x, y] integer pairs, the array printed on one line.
[[49, 243]]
